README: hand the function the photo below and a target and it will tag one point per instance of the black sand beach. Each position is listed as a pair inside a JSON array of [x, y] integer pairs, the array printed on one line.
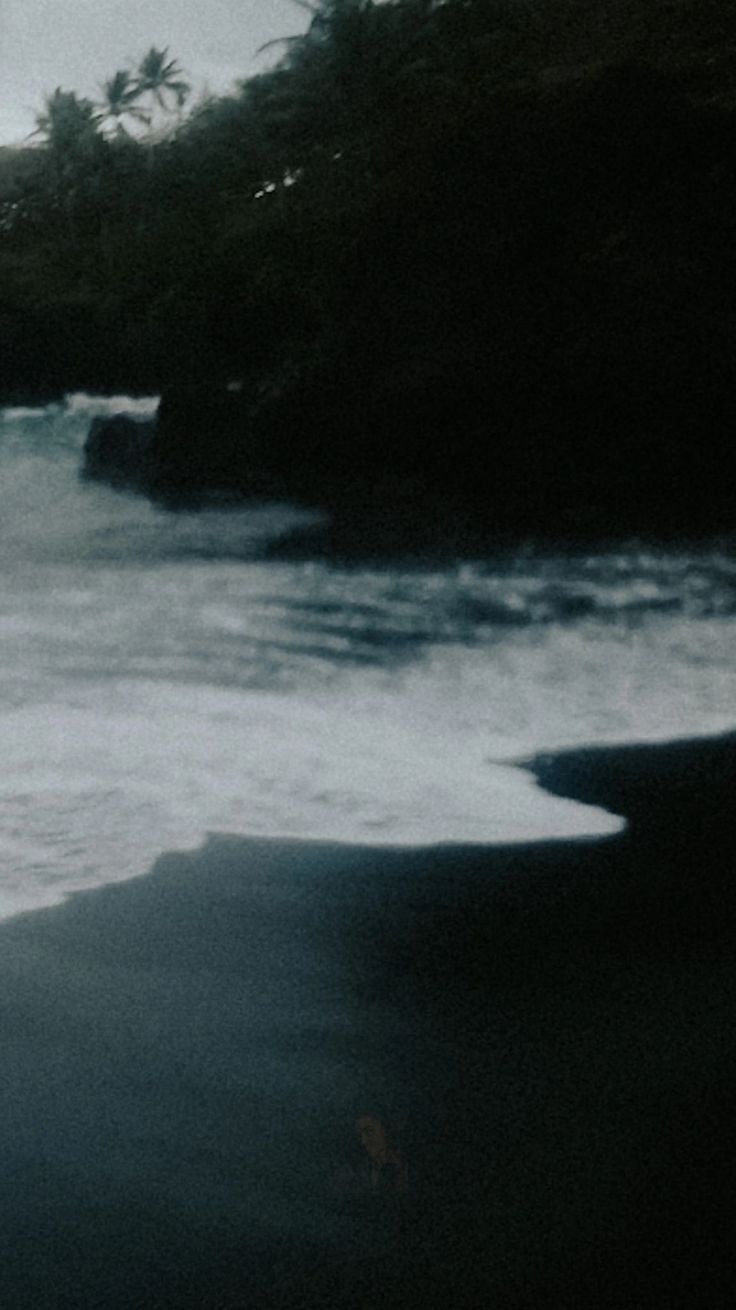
[[548, 1029]]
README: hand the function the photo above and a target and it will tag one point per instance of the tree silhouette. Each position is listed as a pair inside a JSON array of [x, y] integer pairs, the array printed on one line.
[[121, 94], [70, 128], [335, 80], [67, 122], [161, 79]]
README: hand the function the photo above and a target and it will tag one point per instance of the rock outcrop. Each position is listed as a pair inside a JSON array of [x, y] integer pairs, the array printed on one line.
[[118, 451]]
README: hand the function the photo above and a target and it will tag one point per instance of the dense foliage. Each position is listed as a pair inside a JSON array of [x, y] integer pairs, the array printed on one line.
[[474, 254]]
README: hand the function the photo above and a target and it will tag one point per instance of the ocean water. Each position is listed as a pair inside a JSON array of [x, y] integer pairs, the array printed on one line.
[[160, 679]]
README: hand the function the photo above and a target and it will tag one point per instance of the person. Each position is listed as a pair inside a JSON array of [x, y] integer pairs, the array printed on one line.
[[388, 1168]]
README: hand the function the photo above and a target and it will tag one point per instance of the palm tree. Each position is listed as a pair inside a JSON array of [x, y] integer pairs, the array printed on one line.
[[68, 122], [121, 94], [161, 79], [70, 127]]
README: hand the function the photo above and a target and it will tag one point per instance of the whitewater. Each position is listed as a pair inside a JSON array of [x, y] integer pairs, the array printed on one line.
[[162, 679]]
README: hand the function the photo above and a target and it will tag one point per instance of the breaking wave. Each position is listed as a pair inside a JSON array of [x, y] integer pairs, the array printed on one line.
[[160, 677]]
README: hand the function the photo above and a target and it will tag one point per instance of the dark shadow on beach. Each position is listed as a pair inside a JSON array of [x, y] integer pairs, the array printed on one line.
[[292, 1074]]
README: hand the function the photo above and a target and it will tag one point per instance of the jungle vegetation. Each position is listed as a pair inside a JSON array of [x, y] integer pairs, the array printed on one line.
[[476, 250]]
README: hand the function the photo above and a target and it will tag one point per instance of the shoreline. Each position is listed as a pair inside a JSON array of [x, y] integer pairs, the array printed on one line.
[[548, 1029], [402, 525]]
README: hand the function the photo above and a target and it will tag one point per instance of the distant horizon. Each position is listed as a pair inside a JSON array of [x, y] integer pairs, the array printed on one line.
[[215, 48]]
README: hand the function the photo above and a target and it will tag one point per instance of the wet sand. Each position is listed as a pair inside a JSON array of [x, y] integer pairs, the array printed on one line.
[[549, 1031]]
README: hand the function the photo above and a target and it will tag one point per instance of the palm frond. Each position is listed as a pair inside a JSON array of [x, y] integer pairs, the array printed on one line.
[[279, 40]]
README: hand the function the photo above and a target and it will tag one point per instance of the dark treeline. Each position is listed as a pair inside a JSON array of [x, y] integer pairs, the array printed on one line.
[[469, 263]]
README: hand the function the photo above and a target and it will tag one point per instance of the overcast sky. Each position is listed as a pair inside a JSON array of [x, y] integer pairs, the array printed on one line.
[[76, 44]]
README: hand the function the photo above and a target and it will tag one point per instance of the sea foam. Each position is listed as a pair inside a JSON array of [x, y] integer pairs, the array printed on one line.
[[160, 679]]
